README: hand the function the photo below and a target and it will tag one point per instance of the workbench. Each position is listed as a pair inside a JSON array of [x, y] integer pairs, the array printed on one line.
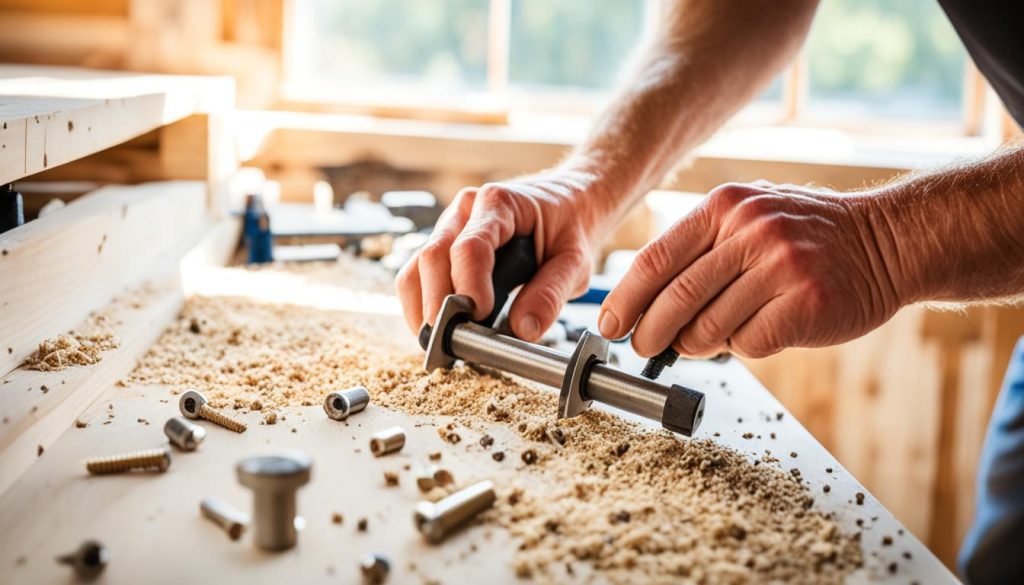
[[59, 269]]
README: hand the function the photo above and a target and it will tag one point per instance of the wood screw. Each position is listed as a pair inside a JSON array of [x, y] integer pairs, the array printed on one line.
[[194, 405]]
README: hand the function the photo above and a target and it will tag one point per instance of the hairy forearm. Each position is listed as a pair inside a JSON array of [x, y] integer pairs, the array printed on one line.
[[956, 234], [705, 62]]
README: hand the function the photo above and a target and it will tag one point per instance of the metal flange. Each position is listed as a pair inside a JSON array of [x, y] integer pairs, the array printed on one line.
[[590, 350], [455, 309]]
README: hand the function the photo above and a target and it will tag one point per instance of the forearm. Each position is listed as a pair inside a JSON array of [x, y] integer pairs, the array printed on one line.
[[956, 234], [704, 63]]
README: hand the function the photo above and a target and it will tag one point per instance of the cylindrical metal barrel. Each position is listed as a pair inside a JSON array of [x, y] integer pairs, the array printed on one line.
[[484, 346]]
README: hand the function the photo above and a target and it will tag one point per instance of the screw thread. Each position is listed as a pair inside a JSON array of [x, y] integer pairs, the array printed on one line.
[[215, 416], [155, 459], [657, 364]]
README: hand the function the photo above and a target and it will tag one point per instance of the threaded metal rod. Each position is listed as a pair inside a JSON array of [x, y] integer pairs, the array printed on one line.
[[484, 346]]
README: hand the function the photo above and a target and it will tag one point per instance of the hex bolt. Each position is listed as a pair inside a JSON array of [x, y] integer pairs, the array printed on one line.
[[437, 520], [151, 460], [232, 521], [193, 405], [338, 405], [387, 441], [88, 561], [375, 568], [274, 480], [184, 434]]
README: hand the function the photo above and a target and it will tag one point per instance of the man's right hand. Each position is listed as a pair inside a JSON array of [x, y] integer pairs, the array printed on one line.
[[459, 256]]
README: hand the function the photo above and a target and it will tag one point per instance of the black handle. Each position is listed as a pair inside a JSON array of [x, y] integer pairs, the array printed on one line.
[[514, 264]]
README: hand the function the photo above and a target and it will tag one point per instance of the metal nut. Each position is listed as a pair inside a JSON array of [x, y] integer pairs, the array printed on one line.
[[387, 441], [184, 434], [339, 405]]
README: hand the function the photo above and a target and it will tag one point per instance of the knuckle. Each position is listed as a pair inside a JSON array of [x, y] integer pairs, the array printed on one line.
[[729, 195], [495, 195], [654, 260], [434, 252], [816, 295], [684, 292], [547, 301], [469, 248], [708, 331]]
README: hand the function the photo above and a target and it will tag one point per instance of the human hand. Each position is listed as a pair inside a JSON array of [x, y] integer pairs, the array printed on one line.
[[753, 270], [459, 256]]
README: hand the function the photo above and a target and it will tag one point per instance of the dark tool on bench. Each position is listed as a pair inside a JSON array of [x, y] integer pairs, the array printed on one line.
[[583, 376]]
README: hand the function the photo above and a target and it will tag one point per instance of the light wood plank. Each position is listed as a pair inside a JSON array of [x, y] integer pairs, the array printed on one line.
[[53, 115], [60, 267], [33, 419]]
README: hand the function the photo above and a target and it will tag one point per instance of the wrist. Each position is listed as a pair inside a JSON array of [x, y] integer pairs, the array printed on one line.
[[600, 195], [898, 265]]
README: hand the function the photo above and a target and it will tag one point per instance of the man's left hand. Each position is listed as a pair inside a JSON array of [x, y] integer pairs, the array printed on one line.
[[755, 269]]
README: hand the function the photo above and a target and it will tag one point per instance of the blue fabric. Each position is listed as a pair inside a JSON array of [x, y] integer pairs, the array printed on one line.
[[993, 551]]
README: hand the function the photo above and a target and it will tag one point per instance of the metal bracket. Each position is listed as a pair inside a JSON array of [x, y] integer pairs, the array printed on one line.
[[454, 310], [591, 349]]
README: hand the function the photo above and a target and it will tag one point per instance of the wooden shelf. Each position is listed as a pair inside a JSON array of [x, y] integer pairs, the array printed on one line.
[[53, 115]]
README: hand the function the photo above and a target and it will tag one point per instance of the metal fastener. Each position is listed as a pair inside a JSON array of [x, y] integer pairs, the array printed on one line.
[[387, 441], [185, 435], [375, 568], [437, 520], [274, 480], [88, 561], [232, 521], [338, 405], [154, 459], [193, 405]]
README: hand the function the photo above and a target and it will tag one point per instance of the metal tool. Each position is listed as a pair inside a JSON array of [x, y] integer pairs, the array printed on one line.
[[436, 521], [339, 405], [274, 480], [88, 560], [185, 435], [220, 513], [657, 364], [152, 460], [387, 441], [193, 405], [582, 377]]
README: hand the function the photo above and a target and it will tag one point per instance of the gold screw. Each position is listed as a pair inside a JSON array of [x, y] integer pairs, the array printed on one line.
[[154, 459], [193, 405]]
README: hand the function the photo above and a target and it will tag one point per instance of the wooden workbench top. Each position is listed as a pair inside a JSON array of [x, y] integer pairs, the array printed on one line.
[[152, 526]]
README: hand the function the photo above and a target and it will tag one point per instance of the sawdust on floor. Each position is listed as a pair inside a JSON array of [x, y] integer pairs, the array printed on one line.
[[633, 503]]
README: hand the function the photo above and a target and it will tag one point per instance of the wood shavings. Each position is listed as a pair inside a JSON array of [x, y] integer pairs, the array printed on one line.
[[70, 349], [633, 503]]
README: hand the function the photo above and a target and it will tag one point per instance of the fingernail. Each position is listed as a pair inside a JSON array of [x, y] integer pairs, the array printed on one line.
[[529, 327], [608, 323]]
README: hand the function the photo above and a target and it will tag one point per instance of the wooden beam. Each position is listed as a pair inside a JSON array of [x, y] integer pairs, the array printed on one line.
[[53, 115], [34, 418], [64, 265]]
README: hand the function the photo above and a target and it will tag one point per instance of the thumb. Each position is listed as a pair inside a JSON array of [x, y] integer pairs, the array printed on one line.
[[538, 303]]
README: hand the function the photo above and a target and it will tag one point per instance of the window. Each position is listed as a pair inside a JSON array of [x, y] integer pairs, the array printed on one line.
[[865, 60], [884, 59]]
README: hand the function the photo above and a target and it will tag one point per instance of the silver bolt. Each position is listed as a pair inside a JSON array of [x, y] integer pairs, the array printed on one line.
[[375, 568], [274, 480], [436, 521], [387, 441], [193, 405], [222, 514], [89, 560], [185, 435], [338, 405]]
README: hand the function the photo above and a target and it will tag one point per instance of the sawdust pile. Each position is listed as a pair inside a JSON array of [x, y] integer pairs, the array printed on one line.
[[70, 349], [632, 503]]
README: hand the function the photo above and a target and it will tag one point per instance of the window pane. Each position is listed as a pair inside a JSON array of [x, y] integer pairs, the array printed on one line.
[[885, 58], [572, 43], [442, 43]]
